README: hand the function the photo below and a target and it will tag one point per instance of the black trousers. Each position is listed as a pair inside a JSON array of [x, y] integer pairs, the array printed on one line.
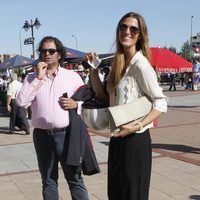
[[129, 167], [172, 85], [18, 117]]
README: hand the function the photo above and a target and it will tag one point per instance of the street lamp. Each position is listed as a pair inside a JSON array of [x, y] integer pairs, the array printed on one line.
[[26, 28], [191, 40], [20, 41], [75, 41]]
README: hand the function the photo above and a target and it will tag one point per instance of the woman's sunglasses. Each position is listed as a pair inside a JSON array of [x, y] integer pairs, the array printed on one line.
[[50, 51], [133, 29]]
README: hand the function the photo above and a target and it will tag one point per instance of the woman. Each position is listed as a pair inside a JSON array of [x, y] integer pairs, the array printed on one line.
[[131, 77]]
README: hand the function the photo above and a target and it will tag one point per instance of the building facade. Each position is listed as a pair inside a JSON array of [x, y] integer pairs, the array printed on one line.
[[195, 45]]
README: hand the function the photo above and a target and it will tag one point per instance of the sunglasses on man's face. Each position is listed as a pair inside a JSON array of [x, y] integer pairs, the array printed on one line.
[[133, 29], [50, 51]]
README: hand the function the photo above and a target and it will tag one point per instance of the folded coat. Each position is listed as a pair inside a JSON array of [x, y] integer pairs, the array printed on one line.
[[80, 150]]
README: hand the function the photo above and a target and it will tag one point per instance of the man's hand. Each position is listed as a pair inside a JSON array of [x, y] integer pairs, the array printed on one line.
[[41, 70], [67, 103], [9, 108]]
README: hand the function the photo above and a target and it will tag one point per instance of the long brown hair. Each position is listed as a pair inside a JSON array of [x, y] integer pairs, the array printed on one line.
[[117, 70]]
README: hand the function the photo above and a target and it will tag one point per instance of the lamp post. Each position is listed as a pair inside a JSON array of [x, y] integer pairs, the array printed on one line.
[[191, 40], [20, 41], [26, 28], [75, 41]]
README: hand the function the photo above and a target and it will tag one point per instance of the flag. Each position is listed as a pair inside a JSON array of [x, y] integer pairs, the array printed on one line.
[[196, 49]]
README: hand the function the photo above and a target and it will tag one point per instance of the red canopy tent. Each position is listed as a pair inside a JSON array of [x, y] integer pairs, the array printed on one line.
[[164, 60]]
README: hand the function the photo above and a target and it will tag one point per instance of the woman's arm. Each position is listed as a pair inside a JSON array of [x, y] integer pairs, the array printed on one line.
[[96, 83], [98, 87]]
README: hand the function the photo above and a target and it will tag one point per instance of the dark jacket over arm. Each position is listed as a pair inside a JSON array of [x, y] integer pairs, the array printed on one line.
[[80, 151]]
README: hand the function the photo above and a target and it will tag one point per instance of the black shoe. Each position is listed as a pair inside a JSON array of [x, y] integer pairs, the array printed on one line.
[[26, 131]]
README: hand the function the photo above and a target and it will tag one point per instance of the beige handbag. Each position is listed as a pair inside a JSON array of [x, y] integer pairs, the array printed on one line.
[[128, 113]]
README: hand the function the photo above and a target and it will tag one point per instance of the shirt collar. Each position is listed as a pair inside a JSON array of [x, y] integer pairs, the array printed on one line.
[[57, 71], [135, 57]]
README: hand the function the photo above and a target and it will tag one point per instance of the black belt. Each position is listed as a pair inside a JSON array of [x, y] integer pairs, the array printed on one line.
[[51, 131]]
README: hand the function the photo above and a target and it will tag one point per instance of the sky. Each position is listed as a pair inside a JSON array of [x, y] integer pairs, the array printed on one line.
[[93, 22]]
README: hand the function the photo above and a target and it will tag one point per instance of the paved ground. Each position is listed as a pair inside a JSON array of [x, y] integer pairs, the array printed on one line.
[[176, 157]]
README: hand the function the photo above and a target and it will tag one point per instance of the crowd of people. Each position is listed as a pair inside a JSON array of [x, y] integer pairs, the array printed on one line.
[[9, 86], [186, 80]]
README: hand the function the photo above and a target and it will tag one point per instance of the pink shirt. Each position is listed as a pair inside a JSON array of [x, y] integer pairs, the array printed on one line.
[[43, 96]]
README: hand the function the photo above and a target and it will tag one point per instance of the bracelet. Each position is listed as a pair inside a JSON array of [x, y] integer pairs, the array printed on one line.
[[140, 125]]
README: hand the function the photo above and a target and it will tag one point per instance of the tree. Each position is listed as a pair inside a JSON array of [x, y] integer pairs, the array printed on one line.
[[185, 50], [173, 49]]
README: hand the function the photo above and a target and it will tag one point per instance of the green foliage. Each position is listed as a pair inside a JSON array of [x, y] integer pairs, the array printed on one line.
[[18, 71], [185, 50], [173, 49]]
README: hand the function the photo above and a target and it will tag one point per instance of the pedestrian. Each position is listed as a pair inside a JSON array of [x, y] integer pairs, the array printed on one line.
[[44, 90], [131, 77], [196, 73], [189, 81], [182, 79], [172, 81], [17, 113], [1, 83]]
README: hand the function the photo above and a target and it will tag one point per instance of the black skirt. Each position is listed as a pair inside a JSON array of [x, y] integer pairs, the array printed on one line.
[[129, 167]]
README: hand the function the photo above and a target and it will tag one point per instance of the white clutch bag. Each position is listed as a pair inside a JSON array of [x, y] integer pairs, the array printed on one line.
[[128, 113]]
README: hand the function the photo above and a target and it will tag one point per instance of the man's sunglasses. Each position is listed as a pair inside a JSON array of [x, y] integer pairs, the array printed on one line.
[[133, 29], [50, 51]]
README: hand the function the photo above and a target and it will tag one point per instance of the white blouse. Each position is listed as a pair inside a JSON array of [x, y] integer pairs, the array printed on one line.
[[139, 80]]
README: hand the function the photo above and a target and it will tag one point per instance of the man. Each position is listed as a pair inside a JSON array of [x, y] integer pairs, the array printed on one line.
[[172, 81], [196, 73], [44, 90], [17, 113]]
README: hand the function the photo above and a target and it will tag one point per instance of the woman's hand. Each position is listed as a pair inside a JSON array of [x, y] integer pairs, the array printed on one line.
[[126, 130], [91, 56], [67, 103]]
